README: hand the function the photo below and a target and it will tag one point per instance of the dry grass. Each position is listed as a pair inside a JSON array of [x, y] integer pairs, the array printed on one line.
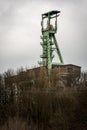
[[36, 106]]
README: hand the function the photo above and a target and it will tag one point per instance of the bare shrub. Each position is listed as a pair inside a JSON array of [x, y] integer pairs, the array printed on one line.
[[38, 108]]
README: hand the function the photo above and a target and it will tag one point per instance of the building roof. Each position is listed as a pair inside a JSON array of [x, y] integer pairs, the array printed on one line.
[[66, 65], [51, 12]]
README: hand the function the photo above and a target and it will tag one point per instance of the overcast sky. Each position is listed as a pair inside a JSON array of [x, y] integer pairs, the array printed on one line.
[[20, 31]]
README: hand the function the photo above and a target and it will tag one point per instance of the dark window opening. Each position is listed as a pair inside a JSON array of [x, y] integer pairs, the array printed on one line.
[[69, 69]]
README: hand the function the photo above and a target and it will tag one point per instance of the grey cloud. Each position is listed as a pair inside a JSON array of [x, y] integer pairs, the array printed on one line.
[[20, 31]]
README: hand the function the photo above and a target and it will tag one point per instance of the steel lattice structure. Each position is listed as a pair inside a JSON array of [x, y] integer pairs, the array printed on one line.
[[49, 42]]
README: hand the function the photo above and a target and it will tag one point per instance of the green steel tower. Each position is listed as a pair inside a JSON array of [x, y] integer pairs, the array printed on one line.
[[49, 42]]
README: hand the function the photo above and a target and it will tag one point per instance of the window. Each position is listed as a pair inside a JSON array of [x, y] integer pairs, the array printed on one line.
[[69, 69]]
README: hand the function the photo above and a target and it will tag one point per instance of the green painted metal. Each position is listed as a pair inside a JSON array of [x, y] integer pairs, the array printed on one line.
[[58, 50], [49, 42]]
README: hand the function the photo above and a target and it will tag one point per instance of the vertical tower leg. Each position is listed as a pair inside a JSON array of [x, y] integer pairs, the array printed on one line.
[[49, 65], [58, 50]]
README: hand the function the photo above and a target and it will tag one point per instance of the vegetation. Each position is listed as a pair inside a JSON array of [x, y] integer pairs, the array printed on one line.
[[29, 102]]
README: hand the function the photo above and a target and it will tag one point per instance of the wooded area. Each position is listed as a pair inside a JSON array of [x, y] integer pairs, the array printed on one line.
[[32, 104]]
